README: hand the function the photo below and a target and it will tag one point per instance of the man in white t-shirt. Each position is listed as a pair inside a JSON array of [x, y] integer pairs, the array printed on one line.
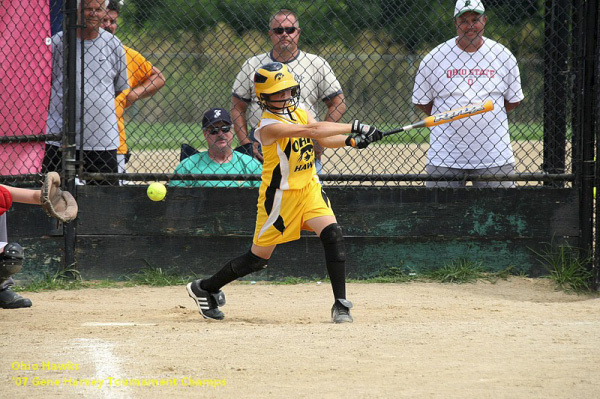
[[312, 72], [469, 69]]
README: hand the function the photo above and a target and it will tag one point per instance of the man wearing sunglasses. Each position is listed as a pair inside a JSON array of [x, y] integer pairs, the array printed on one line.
[[314, 74], [219, 159]]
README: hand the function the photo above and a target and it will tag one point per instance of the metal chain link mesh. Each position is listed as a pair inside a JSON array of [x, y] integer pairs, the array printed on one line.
[[24, 86], [374, 50]]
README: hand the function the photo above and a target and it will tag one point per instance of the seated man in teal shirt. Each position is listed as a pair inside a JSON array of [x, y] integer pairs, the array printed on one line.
[[220, 159]]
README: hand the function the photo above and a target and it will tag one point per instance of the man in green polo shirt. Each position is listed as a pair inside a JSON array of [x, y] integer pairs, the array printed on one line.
[[220, 157]]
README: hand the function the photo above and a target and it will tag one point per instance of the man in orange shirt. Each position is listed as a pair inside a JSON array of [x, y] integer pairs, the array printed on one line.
[[144, 81]]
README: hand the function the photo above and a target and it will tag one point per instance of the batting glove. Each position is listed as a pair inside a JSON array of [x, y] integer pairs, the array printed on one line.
[[363, 135]]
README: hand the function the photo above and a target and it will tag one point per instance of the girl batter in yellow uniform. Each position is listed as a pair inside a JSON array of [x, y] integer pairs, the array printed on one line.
[[291, 198]]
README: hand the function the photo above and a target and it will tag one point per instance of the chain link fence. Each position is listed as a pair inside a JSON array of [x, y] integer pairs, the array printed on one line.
[[374, 52]]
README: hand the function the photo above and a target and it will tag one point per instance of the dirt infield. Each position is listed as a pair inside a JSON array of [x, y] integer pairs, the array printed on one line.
[[516, 339], [376, 159]]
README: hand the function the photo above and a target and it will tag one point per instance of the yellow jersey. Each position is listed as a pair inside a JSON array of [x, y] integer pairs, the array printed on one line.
[[289, 163]]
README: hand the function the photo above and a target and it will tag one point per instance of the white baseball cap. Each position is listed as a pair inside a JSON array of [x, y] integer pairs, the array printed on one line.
[[462, 6]]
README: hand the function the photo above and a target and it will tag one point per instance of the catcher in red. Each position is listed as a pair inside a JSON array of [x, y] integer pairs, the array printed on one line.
[[59, 204]]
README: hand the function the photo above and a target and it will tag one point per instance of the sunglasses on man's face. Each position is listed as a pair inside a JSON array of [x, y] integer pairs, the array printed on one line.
[[215, 130], [288, 30]]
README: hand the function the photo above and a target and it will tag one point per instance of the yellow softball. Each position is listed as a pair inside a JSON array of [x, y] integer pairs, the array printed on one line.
[[156, 191]]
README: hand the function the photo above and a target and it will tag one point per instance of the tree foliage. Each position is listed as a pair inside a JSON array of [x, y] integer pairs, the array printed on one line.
[[413, 24], [374, 47]]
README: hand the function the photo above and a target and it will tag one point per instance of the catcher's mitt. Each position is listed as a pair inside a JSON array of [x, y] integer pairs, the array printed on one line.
[[59, 204]]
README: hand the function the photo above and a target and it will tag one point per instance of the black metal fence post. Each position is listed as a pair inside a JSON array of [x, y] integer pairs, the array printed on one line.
[[557, 20], [70, 119], [588, 120], [596, 114]]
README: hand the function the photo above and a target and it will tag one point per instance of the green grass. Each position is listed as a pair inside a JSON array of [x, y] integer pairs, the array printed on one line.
[[462, 270], [69, 279], [157, 277], [294, 281], [567, 268], [459, 271], [153, 136], [391, 274]]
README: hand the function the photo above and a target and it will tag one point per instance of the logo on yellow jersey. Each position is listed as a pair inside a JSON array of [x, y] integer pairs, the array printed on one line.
[[305, 148]]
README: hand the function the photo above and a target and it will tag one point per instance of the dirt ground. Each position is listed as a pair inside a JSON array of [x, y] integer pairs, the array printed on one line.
[[377, 159], [513, 339]]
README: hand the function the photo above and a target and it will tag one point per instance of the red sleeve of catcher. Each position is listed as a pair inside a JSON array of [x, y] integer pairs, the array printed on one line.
[[5, 200]]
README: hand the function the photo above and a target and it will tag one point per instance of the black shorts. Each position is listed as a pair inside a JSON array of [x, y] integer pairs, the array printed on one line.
[[93, 162]]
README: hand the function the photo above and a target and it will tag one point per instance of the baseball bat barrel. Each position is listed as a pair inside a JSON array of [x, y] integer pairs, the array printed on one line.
[[447, 117], [458, 113]]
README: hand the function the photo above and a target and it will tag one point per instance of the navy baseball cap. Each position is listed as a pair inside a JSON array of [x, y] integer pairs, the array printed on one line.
[[215, 115]]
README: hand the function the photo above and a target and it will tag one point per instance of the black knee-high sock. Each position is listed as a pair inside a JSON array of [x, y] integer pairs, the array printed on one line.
[[221, 278], [337, 275], [234, 269], [335, 257]]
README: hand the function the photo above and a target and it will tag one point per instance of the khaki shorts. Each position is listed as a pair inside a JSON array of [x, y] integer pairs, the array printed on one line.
[[282, 214], [438, 171]]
